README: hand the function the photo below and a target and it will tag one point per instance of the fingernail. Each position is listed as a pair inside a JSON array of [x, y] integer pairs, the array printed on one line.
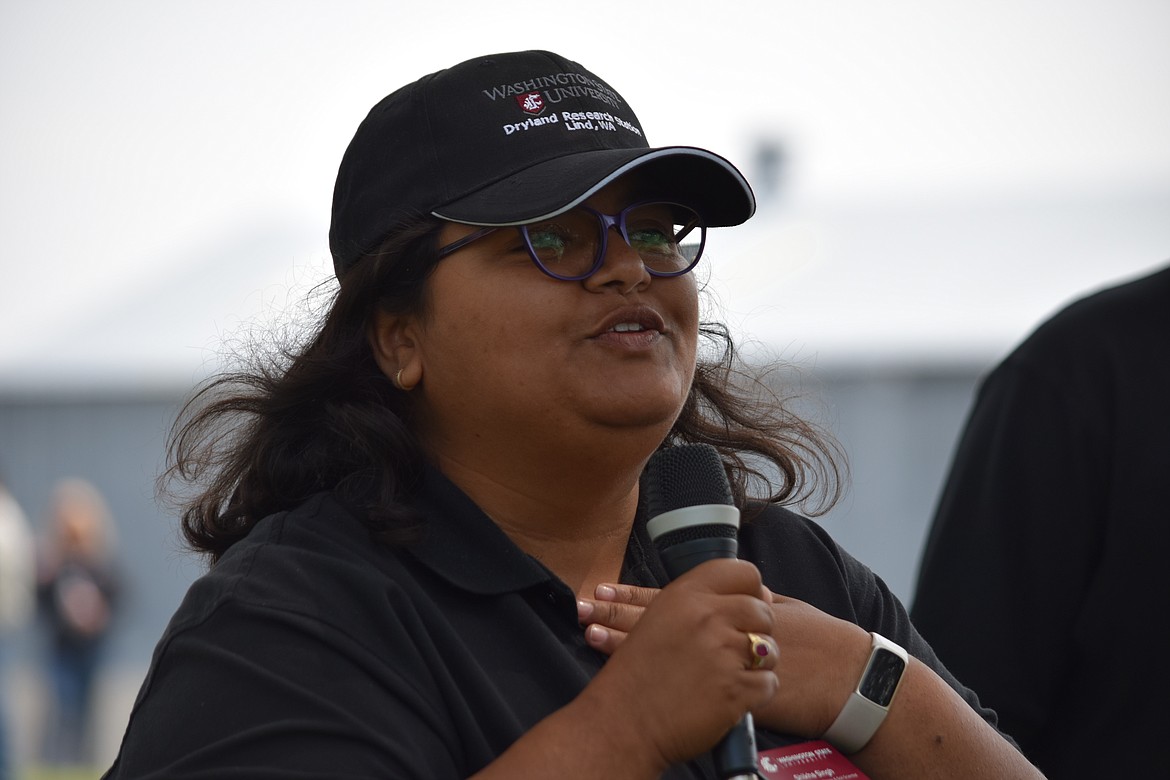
[[606, 592], [584, 610], [596, 635]]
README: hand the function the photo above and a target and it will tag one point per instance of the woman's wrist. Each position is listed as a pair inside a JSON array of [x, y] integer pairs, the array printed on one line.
[[817, 673], [871, 698]]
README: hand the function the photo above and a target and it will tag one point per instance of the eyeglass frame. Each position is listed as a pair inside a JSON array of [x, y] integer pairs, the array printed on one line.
[[608, 221]]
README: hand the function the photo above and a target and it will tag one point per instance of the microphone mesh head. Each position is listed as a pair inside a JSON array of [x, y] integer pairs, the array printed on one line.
[[687, 475]]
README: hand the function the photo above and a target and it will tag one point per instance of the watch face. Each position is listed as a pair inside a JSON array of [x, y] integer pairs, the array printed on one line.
[[881, 678]]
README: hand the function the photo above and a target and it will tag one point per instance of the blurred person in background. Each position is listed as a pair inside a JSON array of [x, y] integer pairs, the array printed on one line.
[[16, 600], [1043, 581], [77, 589]]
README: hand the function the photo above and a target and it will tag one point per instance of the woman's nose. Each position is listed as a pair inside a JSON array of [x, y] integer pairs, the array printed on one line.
[[621, 267]]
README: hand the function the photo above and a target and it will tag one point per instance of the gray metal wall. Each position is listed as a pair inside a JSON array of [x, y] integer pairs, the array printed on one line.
[[117, 443]]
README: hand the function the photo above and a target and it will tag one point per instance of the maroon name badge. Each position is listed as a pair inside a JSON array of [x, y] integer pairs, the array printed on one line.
[[816, 760]]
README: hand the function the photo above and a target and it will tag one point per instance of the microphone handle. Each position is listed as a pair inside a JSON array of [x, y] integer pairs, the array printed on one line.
[[735, 755]]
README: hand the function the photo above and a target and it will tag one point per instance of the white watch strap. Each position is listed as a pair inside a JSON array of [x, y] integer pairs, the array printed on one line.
[[860, 717]]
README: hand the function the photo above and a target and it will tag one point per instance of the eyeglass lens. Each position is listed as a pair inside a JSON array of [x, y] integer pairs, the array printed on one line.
[[666, 236]]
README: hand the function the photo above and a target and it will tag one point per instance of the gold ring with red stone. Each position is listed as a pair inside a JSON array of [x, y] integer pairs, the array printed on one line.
[[760, 649]]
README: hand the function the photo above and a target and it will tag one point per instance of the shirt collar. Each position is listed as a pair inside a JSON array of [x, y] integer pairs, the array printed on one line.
[[464, 546]]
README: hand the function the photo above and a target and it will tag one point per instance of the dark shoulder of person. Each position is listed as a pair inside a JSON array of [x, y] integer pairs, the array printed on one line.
[[798, 558], [1101, 322]]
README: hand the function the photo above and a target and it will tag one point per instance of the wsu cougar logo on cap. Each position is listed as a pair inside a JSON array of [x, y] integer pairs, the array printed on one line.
[[530, 102]]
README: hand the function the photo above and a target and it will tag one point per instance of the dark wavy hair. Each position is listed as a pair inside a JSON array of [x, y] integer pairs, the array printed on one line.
[[321, 416]]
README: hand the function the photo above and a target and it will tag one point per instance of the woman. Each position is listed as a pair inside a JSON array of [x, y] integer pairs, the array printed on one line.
[[429, 552], [77, 592]]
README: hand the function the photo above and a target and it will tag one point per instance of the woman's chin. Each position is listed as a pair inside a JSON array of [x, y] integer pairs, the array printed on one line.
[[652, 412]]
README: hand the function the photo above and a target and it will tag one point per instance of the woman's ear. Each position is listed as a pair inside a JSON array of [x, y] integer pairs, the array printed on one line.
[[396, 347]]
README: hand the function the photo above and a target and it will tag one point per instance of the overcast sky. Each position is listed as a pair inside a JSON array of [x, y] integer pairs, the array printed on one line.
[[952, 170]]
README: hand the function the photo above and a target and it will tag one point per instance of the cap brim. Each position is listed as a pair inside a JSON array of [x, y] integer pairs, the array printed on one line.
[[700, 179]]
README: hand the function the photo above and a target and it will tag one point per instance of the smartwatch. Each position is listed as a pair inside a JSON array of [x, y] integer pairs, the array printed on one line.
[[870, 700]]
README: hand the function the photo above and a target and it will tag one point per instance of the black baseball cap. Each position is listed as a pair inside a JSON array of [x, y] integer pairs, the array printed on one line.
[[506, 139]]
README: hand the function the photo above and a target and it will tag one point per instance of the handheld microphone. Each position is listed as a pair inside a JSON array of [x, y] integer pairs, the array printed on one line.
[[694, 519]]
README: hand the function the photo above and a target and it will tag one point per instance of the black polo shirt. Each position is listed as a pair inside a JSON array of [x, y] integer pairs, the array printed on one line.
[[309, 651]]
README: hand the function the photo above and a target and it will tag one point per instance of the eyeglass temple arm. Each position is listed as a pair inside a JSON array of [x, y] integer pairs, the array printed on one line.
[[462, 242], [686, 231]]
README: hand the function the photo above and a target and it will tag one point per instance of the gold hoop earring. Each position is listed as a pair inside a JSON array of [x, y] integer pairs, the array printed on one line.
[[398, 381]]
